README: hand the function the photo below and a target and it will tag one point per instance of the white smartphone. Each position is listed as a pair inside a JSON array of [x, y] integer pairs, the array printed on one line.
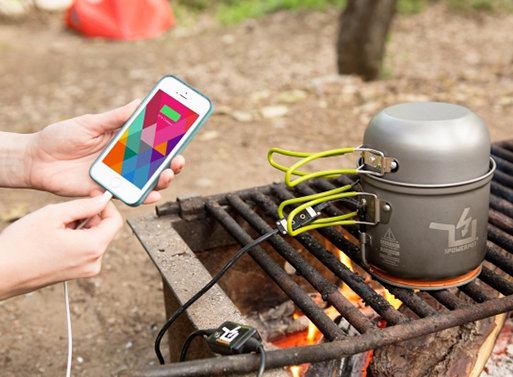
[[130, 166]]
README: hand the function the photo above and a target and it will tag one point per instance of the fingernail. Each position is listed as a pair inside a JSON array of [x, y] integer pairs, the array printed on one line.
[[100, 199]]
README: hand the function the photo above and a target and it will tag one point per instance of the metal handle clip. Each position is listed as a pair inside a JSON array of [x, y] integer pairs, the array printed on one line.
[[374, 162]]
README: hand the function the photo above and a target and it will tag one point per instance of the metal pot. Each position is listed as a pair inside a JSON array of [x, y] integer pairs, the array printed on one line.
[[434, 206]]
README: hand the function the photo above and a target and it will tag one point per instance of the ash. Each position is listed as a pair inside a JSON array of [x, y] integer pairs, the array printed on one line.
[[500, 363]]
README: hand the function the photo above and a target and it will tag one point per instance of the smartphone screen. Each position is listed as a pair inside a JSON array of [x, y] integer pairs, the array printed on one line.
[[144, 146]]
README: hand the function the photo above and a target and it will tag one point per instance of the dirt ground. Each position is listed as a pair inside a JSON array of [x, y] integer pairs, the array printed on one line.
[[48, 74]]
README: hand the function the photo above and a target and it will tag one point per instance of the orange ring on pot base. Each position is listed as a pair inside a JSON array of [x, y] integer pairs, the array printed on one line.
[[424, 285]]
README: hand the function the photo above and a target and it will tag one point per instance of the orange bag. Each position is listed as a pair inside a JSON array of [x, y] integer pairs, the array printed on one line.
[[120, 19]]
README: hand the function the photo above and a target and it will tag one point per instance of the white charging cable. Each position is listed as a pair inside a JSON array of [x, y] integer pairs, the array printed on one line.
[[107, 196], [68, 323]]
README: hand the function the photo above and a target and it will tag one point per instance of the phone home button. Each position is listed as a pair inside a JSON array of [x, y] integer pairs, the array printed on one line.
[[115, 182]]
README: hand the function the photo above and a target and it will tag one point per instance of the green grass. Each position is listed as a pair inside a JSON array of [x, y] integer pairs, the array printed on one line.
[[197, 5], [230, 12], [466, 6], [411, 6], [494, 6], [234, 11]]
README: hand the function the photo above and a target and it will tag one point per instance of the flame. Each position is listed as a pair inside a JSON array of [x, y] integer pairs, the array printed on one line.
[[312, 332], [295, 370], [345, 260], [392, 300], [313, 335], [332, 312], [346, 291]]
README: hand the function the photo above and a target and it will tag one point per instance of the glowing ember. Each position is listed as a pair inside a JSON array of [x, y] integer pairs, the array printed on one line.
[[364, 369]]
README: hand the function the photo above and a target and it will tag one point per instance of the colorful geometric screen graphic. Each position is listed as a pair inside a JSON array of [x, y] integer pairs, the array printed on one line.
[[150, 138]]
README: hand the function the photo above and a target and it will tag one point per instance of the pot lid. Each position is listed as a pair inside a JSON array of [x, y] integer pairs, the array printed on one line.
[[433, 142]]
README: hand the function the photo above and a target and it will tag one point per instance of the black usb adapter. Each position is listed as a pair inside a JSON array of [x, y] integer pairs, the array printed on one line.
[[233, 338]]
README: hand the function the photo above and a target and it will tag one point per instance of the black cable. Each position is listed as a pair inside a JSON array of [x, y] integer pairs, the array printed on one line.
[[210, 284], [261, 368], [189, 340], [350, 203]]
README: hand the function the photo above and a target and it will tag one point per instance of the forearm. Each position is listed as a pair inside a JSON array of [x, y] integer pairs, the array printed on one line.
[[22, 272], [15, 159], [14, 273]]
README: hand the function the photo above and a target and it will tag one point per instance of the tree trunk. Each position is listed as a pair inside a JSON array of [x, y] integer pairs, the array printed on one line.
[[364, 26]]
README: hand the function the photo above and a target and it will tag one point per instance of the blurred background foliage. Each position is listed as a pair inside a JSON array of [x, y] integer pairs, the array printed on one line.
[[233, 11]]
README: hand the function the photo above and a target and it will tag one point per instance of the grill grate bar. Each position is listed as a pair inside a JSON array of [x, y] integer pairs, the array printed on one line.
[[500, 238], [501, 191], [501, 205], [329, 329], [501, 152], [332, 350], [493, 255], [506, 144], [501, 221], [328, 291], [503, 166], [355, 282], [448, 300], [502, 178], [496, 282], [412, 301], [476, 293], [175, 208]]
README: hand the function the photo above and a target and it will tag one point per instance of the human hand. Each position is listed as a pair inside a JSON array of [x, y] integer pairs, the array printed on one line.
[[62, 153], [44, 247]]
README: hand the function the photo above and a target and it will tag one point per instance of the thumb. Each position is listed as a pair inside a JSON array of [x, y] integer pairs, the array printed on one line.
[[114, 119], [81, 208]]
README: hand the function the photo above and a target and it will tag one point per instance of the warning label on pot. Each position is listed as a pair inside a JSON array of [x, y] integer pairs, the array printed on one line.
[[389, 249]]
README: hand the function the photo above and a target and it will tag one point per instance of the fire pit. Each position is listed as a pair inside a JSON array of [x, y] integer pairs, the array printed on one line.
[[208, 227]]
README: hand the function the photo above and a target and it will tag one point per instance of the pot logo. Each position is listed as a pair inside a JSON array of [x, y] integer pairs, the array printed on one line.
[[457, 245], [229, 335]]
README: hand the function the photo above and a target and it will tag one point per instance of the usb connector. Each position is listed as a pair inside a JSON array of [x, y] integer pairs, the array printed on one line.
[[301, 219], [233, 338]]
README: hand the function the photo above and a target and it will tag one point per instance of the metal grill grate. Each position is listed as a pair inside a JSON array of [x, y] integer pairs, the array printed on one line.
[[483, 292]]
